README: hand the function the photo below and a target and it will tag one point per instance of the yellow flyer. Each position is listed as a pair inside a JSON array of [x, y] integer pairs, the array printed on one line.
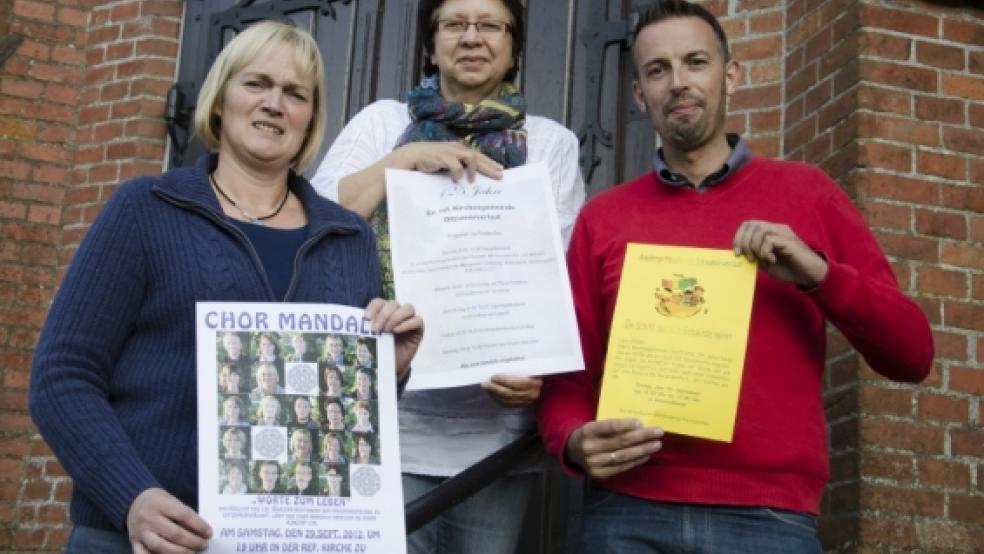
[[677, 344]]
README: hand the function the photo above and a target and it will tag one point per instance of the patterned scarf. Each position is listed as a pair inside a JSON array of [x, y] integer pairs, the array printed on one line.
[[494, 127]]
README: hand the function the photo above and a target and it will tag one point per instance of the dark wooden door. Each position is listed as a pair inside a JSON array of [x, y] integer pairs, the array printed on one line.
[[576, 70]]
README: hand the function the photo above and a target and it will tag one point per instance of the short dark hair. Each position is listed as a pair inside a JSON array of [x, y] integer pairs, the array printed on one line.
[[662, 10], [427, 26]]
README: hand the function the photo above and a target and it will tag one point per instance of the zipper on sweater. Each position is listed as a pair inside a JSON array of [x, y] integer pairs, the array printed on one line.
[[305, 246]]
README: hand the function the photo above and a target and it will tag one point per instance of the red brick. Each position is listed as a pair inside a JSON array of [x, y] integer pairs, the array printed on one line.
[[908, 247], [757, 48], [161, 7], [969, 198], [944, 473], [17, 129], [148, 66], [884, 465], [819, 149], [124, 12], [68, 55], [34, 10], [939, 55], [44, 214], [902, 435], [966, 32], [975, 62], [119, 51], [963, 86], [847, 77], [977, 228], [943, 536], [941, 165], [818, 96], [884, 100], [963, 315], [883, 215], [157, 47], [902, 500], [904, 76], [104, 35], [885, 156], [766, 22], [941, 224], [34, 50], [944, 282], [898, 20], [884, 46], [40, 193], [837, 111], [61, 94], [886, 401], [71, 16], [978, 286], [967, 379], [764, 121], [970, 141], [898, 129], [882, 530], [44, 153], [765, 71], [976, 112], [969, 509], [29, 538], [936, 407]]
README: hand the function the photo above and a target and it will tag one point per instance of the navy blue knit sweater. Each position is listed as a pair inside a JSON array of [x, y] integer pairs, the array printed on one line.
[[113, 382]]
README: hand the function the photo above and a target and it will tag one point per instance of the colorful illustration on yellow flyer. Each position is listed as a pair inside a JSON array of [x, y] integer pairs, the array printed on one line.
[[679, 296]]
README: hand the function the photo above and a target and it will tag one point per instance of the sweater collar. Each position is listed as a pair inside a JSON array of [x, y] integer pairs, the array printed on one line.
[[740, 154], [192, 185]]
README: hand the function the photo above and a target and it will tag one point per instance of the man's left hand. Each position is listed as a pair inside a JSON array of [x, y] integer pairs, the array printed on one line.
[[780, 253], [513, 391]]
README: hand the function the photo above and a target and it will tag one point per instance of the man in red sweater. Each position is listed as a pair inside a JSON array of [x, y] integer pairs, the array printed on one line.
[[817, 262]]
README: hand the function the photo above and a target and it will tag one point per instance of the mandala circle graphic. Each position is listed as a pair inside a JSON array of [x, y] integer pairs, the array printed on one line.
[[366, 481], [270, 443], [303, 378]]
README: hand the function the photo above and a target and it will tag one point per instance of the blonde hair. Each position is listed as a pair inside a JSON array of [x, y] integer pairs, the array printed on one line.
[[241, 50]]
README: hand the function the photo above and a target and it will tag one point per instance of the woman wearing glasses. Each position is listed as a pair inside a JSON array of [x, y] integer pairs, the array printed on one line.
[[466, 117]]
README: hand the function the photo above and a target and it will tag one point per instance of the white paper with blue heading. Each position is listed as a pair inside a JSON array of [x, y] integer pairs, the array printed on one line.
[[483, 264], [297, 432]]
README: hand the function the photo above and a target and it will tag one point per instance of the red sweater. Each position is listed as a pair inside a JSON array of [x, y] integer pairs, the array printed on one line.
[[778, 455]]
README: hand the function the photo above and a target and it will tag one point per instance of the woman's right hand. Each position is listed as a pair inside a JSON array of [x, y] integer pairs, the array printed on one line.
[[451, 156], [159, 522]]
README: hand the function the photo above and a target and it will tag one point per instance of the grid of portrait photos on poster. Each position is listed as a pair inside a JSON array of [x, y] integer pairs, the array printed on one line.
[[296, 411]]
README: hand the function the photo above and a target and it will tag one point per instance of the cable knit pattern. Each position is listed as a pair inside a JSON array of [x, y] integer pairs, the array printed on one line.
[[113, 382]]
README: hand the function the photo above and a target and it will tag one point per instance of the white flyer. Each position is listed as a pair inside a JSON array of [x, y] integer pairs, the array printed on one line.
[[297, 432], [483, 264]]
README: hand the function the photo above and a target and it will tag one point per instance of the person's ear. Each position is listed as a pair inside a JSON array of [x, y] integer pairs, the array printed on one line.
[[733, 75], [637, 95]]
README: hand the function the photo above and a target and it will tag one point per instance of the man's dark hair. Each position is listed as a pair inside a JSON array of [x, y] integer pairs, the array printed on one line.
[[662, 10], [427, 27]]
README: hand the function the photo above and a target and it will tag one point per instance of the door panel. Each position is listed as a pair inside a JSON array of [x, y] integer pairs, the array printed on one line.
[[576, 68]]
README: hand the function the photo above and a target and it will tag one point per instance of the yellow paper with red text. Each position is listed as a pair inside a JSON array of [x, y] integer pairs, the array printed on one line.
[[677, 345]]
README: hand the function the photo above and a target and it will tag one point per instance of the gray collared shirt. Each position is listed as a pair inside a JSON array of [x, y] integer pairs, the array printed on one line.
[[740, 154]]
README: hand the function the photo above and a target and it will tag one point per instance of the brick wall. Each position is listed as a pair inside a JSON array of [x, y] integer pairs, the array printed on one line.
[[887, 96], [81, 102]]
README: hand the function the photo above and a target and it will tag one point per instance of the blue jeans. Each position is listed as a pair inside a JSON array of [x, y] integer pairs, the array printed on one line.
[[488, 522], [86, 540], [616, 523]]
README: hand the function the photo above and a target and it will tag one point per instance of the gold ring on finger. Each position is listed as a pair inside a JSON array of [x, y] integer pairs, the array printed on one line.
[[612, 458]]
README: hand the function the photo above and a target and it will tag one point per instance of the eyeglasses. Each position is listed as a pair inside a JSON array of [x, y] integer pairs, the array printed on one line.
[[490, 28]]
